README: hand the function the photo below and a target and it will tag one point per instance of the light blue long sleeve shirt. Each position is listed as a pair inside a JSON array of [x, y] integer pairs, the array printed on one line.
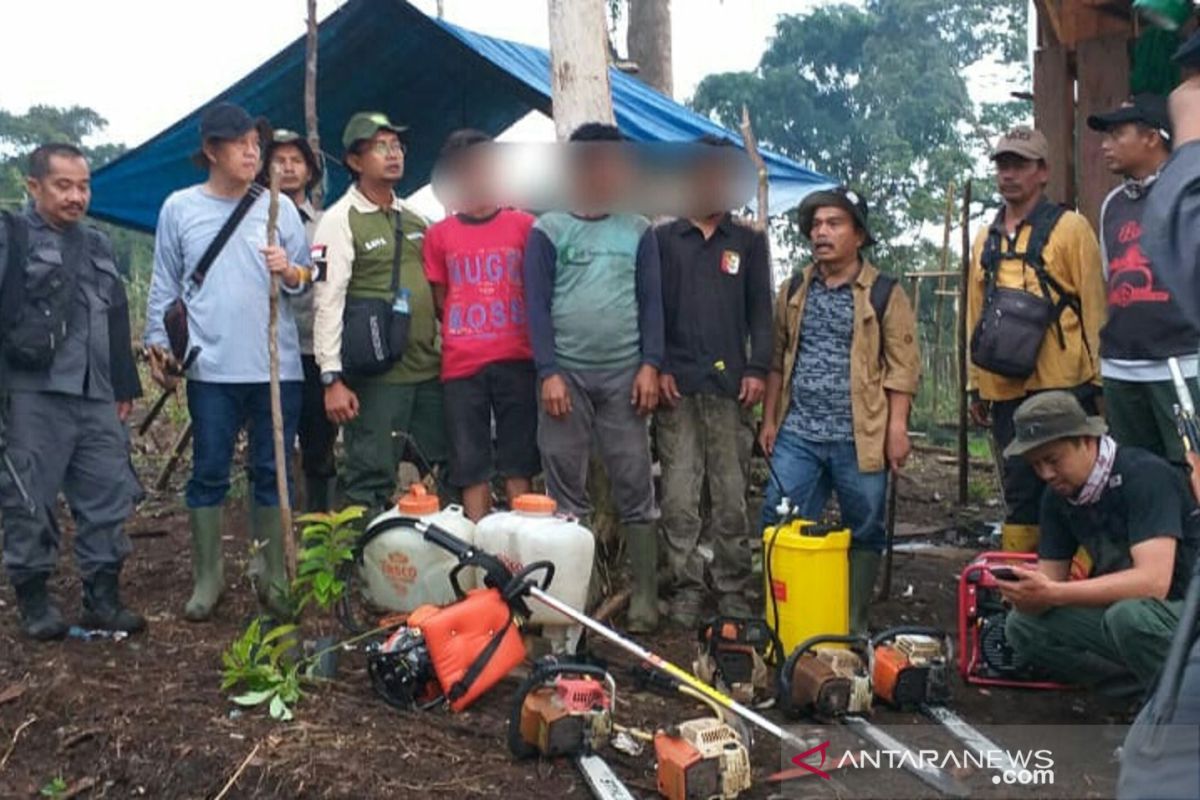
[[229, 313]]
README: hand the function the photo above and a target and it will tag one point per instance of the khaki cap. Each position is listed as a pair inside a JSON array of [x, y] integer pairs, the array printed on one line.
[[1025, 142]]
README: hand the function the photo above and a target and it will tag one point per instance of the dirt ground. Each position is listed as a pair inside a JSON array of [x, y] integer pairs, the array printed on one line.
[[144, 717]]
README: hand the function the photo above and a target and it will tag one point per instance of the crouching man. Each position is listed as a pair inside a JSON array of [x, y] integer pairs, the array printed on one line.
[[1134, 516]]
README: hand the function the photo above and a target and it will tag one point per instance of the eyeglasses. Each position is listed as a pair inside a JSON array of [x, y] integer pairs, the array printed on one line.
[[389, 148]]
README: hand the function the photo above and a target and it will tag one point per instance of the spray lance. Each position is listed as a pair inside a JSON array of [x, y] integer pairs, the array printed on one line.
[[1188, 426]]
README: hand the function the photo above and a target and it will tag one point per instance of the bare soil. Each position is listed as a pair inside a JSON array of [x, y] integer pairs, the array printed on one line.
[[143, 717]]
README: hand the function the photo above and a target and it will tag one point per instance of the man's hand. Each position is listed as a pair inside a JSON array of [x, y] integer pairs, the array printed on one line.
[[556, 396], [897, 447], [644, 394], [766, 437], [164, 367], [752, 391], [278, 264], [124, 409], [668, 392], [341, 404], [1033, 592], [981, 412]]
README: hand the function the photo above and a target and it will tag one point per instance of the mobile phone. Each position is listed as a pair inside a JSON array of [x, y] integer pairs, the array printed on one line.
[[1004, 573]]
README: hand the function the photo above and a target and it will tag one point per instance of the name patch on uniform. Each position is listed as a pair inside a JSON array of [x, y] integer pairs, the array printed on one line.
[[372, 244], [318, 254], [731, 262]]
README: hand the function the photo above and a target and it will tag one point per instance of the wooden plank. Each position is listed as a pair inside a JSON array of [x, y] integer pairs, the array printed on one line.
[[1103, 68], [1054, 116], [1082, 21]]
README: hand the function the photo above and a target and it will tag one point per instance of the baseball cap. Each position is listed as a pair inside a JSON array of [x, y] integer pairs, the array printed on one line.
[[1048, 417], [225, 121], [1147, 109], [1025, 142], [366, 124], [841, 197]]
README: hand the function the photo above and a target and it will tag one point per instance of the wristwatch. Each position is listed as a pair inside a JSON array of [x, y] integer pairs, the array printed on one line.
[[330, 378]]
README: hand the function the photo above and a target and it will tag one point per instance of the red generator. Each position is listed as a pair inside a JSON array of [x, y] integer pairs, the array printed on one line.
[[984, 655]]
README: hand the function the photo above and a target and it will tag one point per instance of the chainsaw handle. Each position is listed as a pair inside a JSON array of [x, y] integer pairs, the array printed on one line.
[[541, 672], [904, 630]]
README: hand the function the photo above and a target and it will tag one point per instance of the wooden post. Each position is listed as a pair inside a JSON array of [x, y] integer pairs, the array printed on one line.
[[1103, 83], [936, 361], [1054, 116], [648, 42], [750, 141], [281, 481], [579, 83], [964, 287], [310, 100]]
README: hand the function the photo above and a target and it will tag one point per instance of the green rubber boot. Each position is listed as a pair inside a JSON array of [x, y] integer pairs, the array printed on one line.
[[208, 571], [864, 567], [268, 570], [641, 540]]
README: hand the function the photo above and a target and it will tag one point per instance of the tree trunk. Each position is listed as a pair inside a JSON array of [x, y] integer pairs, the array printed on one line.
[[310, 99], [648, 41], [579, 65]]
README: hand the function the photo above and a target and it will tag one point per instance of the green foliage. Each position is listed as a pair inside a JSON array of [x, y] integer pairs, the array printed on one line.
[[327, 543], [258, 664], [874, 94], [55, 788]]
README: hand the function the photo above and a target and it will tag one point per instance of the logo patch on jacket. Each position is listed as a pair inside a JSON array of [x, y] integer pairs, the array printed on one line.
[[731, 262], [319, 260]]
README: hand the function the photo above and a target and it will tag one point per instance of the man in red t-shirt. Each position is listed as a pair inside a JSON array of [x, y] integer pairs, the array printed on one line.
[[474, 259]]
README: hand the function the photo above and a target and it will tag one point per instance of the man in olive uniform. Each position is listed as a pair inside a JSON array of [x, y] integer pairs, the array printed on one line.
[[69, 376], [354, 252]]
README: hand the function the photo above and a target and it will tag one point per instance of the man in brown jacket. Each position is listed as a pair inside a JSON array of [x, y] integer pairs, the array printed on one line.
[[843, 374]]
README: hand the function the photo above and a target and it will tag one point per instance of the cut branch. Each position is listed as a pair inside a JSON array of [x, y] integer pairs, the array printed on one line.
[[751, 144]]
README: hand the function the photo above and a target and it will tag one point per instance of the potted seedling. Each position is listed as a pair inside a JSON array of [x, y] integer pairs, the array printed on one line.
[[327, 545]]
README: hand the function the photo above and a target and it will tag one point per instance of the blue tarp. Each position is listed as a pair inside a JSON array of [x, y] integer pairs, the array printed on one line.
[[386, 55]]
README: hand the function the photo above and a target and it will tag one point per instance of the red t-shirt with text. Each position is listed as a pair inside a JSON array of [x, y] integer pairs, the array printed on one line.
[[481, 264]]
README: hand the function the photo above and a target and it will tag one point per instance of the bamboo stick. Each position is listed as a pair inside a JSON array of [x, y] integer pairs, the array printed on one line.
[[281, 473]]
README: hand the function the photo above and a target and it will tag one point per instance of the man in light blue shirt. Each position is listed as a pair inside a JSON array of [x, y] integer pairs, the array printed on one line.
[[227, 315]]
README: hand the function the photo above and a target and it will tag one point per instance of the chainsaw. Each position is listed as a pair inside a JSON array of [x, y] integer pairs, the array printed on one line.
[[701, 759], [733, 655], [910, 666], [825, 681]]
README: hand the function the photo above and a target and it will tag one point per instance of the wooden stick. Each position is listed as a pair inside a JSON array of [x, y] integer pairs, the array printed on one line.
[[238, 772], [16, 735], [281, 473], [181, 443], [964, 287], [939, 294], [310, 100], [751, 144]]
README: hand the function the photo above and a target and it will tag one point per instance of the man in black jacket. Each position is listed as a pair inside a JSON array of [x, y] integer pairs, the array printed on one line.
[[717, 308], [69, 373]]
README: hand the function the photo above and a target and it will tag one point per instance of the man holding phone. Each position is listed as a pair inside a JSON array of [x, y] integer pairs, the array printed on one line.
[[1133, 514]]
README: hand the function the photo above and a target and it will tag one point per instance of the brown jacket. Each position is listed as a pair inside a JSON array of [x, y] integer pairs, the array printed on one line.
[[870, 380]]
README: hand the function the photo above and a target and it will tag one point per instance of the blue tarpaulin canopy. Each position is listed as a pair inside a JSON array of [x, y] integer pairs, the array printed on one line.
[[386, 55]]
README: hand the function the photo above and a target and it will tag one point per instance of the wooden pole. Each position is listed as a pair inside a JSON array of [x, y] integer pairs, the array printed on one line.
[[937, 361], [281, 481], [310, 100], [751, 143], [579, 84], [963, 288]]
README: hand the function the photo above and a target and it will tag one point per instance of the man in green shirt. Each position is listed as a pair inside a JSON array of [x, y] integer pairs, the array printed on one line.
[[353, 250]]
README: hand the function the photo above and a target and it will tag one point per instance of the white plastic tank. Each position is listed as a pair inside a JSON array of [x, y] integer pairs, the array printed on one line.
[[401, 570], [531, 532]]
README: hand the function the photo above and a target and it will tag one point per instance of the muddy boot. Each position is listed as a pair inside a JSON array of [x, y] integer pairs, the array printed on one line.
[[268, 570], [685, 609], [102, 606], [40, 618], [208, 570], [641, 540], [319, 494], [864, 566]]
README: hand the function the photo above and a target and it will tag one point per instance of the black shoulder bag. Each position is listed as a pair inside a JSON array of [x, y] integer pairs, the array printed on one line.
[[1008, 337], [175, 318], [374, 332]]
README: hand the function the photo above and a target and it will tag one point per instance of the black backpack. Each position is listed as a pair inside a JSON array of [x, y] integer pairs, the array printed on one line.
[[879, 296]]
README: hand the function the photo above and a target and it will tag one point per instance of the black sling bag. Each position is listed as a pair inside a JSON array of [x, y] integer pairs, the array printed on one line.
[[374, 334]]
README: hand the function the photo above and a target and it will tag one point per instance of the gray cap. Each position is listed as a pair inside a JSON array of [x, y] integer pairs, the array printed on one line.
[[1048, 417]]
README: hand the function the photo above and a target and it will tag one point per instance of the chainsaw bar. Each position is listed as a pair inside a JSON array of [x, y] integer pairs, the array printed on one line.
[[969, 735], [601, 780], [910, 760]]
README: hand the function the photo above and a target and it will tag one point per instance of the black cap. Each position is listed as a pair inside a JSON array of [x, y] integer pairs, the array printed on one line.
[[1148, 109], [1188, 54], [225, 121], [841, 197]]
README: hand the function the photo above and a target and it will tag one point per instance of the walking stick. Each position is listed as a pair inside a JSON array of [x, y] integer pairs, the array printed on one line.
[[885, 586], [281, 482]]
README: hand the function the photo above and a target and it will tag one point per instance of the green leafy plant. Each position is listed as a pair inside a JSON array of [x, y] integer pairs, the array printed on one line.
[[257, 663], [327, 542], [54, 788]]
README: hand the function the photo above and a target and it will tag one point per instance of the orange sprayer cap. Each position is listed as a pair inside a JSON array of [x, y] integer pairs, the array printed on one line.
[[536, 504], [418, 501]]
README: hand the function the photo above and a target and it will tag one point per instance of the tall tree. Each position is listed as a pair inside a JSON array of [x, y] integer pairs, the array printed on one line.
[[580, 88], [874, 94], [648, 42]]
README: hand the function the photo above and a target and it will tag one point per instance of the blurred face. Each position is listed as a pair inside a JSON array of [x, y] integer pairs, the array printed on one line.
[[1130, 149], [380, 159], [834, 236], [237, 159], [1065, 464], [62, 196], [474, 177], [602, 174], [711, 181], [1019, 179], [289, 161]]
